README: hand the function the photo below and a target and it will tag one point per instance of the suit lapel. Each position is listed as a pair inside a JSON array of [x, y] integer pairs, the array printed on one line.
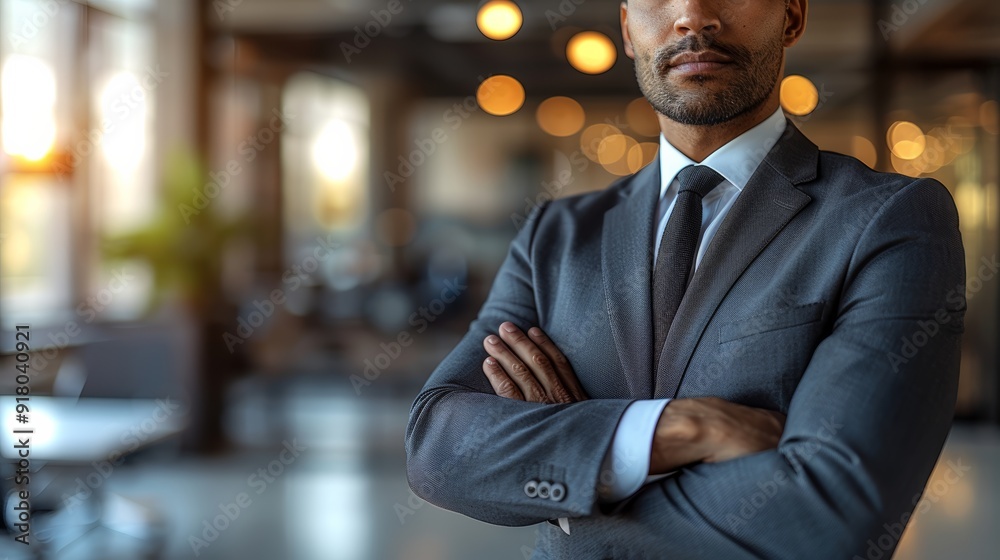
[[626, 264], [768, 202]]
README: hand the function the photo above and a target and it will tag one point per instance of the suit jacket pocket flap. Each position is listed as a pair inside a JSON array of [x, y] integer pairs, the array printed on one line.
[[772, 320]]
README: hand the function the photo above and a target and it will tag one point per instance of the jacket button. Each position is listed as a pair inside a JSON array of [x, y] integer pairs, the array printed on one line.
[[531, 488], [557, 492], [543, 489]]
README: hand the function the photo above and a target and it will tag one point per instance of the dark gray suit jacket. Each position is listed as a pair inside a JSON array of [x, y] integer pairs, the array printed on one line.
[[832, 293]]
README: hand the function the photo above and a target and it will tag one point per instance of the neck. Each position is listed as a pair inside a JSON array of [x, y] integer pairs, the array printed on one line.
[[699, 141]]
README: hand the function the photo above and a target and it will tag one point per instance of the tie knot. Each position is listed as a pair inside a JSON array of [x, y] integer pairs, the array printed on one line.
[[698, 178]]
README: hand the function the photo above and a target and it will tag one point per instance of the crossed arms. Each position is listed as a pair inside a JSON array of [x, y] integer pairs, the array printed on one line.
[[862, 433], [531, 368]]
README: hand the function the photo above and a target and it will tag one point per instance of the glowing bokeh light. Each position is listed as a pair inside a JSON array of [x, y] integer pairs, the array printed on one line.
[[500, 95], [906, 140], [335, 151], [560, 116], [798, 95], [124, 142], [593, 136], [591, 52], [28, 97], [499, 19], [612, 149], [613, 153]]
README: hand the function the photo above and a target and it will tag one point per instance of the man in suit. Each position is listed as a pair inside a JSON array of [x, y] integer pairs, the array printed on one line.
[[748, 349]]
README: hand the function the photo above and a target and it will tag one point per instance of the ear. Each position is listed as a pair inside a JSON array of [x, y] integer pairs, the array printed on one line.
[[795, 21], [625, 37]]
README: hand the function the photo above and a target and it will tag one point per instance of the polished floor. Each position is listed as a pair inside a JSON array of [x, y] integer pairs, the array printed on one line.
[[336, 491]]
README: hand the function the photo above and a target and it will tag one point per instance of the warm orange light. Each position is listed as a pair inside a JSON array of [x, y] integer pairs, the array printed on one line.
[[500, 95], [798, 95], [560, 116], [613, 154], [593, 136], [591, 52], [906, 140], [499, 19], [612, 149]]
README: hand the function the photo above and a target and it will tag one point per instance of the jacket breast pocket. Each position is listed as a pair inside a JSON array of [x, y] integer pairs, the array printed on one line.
[[771, 321]]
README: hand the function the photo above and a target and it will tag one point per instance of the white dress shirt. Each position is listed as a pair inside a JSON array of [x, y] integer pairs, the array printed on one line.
[[626, 465]]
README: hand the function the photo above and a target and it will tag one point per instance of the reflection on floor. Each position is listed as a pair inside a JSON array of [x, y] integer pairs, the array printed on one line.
[[333, 488]]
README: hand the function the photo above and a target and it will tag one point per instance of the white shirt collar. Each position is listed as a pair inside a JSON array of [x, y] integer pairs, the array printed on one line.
[[736, 161]]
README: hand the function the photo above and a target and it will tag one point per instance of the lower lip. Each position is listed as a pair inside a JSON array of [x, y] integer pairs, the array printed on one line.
[[689, 68]]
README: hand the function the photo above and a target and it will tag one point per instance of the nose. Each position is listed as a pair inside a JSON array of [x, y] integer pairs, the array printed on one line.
[[695, 17]]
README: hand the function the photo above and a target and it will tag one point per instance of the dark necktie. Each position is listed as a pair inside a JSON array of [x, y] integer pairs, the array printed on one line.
[[675, 259]]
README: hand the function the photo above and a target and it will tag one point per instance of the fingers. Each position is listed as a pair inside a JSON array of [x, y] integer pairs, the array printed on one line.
[[500, 381], [530, 368], [515, 370], [559, 361], [537, 361]]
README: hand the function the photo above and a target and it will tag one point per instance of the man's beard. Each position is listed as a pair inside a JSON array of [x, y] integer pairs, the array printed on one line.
[[757, 75]]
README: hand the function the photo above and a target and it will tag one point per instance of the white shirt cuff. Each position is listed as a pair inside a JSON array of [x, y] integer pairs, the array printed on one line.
[[626, 466]]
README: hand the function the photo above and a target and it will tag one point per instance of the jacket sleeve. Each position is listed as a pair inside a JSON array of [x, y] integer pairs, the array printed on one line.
[[867, 421], [473, 452]]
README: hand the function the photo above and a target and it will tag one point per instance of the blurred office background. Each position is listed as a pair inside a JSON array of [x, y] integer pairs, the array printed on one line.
[[243, 233]]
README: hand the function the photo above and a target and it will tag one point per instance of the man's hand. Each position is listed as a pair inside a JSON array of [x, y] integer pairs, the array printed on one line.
[[711, 429], [529, 367]]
